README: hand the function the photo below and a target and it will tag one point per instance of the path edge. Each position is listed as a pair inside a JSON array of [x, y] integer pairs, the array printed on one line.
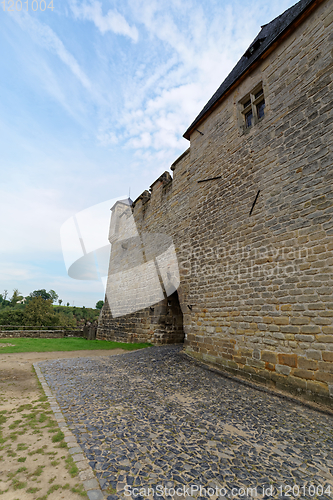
[[86, 475]]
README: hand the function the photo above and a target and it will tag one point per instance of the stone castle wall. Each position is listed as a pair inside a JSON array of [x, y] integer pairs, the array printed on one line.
[[164, 211], [256, 290]]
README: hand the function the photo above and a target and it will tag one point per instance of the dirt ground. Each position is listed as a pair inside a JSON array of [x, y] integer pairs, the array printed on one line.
[[32, 465]]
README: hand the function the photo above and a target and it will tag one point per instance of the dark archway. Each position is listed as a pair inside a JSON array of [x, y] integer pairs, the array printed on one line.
[[169, 328]]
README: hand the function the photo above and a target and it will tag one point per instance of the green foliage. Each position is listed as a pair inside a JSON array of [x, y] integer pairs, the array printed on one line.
[[50, 295], [58, 437], [99, 304], [39, 312], [11, 316], [76, 316], [71, 466], [16, 297]]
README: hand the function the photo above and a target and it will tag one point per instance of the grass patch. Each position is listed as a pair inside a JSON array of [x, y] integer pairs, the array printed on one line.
[[78, 488], [32, 490], [71, 467], [22, 459], [58, 437], [40, 450], [28, 406], [18, 485], [53, 488], [38, 471], [22, 446], [15, 424], [65, 344], [62, 444]]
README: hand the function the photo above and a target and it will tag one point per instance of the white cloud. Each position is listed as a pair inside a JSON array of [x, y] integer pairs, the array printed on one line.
[[112, 21], [38, 214], [46, 38]]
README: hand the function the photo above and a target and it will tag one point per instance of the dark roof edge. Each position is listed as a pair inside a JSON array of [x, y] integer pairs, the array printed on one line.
[[203, 114]]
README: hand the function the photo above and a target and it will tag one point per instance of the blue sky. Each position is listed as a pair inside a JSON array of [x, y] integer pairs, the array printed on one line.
[[95, 98]]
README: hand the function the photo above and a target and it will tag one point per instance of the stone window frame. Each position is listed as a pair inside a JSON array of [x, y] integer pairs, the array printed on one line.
[[248, 105]]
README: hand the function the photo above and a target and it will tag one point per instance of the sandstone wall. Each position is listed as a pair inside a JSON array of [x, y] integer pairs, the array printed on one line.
[[262, 284], [161, 222], [255, 290]]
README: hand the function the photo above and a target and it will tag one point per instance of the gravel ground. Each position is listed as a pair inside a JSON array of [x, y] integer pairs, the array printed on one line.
[[155, 419]]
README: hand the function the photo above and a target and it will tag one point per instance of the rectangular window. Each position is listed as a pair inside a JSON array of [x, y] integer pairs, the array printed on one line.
[[252, 107], [248, 119], [261, 110], [258, 94]]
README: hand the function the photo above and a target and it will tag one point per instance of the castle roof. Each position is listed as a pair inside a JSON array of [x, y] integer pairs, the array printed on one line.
[[126, 201], [265, 39]]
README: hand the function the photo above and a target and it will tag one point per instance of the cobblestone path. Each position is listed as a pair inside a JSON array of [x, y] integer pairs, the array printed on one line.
[[153, 418]]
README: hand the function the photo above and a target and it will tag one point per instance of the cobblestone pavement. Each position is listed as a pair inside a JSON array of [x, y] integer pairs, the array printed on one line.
[[154, 418]]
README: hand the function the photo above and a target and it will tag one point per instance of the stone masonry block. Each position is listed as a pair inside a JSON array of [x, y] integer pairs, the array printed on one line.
[[288, 359], [307, 364], [325, 366], [328, 329], [297, 382], [283, 369], [324, 376], [312, 354], [328, 356], [269, 356], [306, 374], [281, 320], [327, 339], [312, 329], [304, 338], [317, 387]]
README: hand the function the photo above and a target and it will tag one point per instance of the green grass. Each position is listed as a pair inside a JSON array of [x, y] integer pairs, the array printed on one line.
[[71, 467], [58, 437], [64, 344]]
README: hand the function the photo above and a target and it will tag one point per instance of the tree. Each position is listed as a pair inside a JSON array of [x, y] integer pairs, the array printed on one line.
[[50, 295], [60, 302], [41, 293], [16, 297], [3, 301], [99, 304], [54, 296], [40, 312], [12, 316]]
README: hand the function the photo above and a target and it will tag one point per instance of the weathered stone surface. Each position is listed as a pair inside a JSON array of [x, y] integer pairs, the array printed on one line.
[[256, 277], [156, 417]]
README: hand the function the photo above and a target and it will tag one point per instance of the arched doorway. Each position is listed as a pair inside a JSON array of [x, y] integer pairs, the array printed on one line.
[[169, 321]]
